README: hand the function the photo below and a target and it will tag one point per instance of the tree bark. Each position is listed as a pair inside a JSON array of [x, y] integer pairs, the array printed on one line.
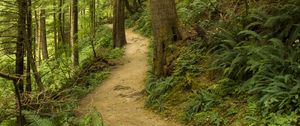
[[36, 74], [55, 29], [93, 25], [43, 38], [61, 24], [119, 38], [31, 65], [74, 32], [165, 32], [21, 40], [37, 37], [29, 47]]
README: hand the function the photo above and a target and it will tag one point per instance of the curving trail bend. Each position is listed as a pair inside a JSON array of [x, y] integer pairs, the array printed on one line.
[[120, 97]]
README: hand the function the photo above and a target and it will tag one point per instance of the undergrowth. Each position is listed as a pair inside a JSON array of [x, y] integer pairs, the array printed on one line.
[[243, 71], [65, 86]]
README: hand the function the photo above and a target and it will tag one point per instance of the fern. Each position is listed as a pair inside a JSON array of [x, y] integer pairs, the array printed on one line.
[[202, 100], [251, 34], [93, 118], [36, 120]]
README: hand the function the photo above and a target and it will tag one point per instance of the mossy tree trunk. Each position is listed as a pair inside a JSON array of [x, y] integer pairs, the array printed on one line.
[[165, 33], [119, 39]]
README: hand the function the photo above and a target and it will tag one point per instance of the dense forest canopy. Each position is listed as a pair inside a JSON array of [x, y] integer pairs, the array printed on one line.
[[211, 62]]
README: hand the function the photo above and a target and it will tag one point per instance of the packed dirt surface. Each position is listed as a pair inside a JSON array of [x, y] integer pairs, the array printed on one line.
[[120, 98]]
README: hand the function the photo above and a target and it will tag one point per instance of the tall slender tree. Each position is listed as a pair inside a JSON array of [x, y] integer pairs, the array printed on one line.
[[61, 28], [29, 47], [31, 65], [165, 32], [55, 29], [74, 32], [43, 37], [21, 40], [93, 25], [119, 38]]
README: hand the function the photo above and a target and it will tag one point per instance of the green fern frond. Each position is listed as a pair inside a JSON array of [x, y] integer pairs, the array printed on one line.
[[277, 20], [36, 120], [250, 33]]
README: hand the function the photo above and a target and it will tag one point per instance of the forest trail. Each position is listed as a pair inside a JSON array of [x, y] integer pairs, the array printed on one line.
[[120, 97]]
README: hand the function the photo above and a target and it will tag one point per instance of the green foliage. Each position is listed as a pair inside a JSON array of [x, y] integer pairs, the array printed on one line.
[[62, 81], [275, 119], [36, 120], [257, 56], [157, 89], [201, 101], [268, 70], [11, 122], [191, 11], [189, 61], [209, 118], [275, 78], [141, 22], [91, 119]]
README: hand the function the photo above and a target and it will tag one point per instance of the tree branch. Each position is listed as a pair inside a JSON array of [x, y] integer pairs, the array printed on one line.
[[9, 77]]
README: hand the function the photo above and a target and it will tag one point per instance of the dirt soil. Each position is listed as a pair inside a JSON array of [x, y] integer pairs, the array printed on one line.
[[120, 98]]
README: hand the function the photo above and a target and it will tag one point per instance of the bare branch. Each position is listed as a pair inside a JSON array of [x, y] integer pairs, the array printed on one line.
[[10, 77]]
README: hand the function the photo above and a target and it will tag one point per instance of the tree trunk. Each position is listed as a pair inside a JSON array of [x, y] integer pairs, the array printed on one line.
[[29, 47], [61, 24], [21, 39], [37, 37], [93, 25], [165, 32], [119, 38], [36, 73], [74, 32], [55, 30], [43, 38], [31, 65]]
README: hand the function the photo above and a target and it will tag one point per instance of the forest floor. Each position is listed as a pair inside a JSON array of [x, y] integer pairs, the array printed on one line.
[[120, 98]]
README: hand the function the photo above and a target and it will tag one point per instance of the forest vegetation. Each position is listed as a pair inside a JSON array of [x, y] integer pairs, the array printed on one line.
[[211, 62]]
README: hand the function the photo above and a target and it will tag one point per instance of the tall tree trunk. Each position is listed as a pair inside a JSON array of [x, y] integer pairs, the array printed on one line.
[[165, 31], [36, 73], [93, 25], [21, 39], [43, 38], [74, 32], [61, 23], [37, 38], [119, 38], [55, 29], [29, 47], [31, 65]]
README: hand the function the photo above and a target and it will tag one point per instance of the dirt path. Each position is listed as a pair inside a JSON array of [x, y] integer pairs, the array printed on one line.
[[120, 98]]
